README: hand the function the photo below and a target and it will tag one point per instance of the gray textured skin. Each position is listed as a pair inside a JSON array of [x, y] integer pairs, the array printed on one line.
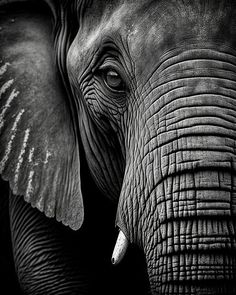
[[165, 146], [176, 129]]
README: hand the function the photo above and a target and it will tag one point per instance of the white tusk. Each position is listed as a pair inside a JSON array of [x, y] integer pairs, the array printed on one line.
[[120, 248]]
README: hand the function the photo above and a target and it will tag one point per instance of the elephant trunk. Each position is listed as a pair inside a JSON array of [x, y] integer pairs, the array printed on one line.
[[178, 200]]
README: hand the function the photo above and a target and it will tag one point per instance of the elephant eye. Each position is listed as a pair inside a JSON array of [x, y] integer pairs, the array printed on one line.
[[113, 80]]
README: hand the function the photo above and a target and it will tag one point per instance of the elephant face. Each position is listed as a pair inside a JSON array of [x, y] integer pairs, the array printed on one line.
[[155, 87], [151, 93]]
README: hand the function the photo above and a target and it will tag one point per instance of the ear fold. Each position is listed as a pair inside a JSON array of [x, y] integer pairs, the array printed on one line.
[[39, 152]]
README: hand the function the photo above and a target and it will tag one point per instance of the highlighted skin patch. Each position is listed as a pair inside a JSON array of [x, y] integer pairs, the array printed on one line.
[[13, 94], [31, 154], [3, 68], [48, 155], [29, 189], [5, 86], [20, 158], [9, 144]]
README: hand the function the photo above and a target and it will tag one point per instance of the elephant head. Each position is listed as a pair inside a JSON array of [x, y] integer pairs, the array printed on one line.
[[151, 99]]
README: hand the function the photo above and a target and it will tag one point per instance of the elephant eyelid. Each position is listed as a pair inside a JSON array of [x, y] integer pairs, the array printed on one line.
[[110, 64], [111, 73]]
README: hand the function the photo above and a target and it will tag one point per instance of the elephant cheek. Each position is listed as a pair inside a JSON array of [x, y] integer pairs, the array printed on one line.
[[103, 155]]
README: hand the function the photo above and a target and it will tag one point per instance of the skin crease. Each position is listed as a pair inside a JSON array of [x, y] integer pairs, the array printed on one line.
[[175, 126]]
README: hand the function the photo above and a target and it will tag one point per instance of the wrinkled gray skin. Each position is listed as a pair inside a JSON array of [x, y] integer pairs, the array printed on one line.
[[162, 144], [175, 124]]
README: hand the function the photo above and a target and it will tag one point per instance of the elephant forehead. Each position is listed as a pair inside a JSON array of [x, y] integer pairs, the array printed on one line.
[[149, 29], [165, 26]]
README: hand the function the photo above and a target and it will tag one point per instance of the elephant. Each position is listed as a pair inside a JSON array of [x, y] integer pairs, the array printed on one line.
[[132, 102]]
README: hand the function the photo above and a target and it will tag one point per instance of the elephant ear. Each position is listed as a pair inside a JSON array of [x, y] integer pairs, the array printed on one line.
[[39, 153]]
